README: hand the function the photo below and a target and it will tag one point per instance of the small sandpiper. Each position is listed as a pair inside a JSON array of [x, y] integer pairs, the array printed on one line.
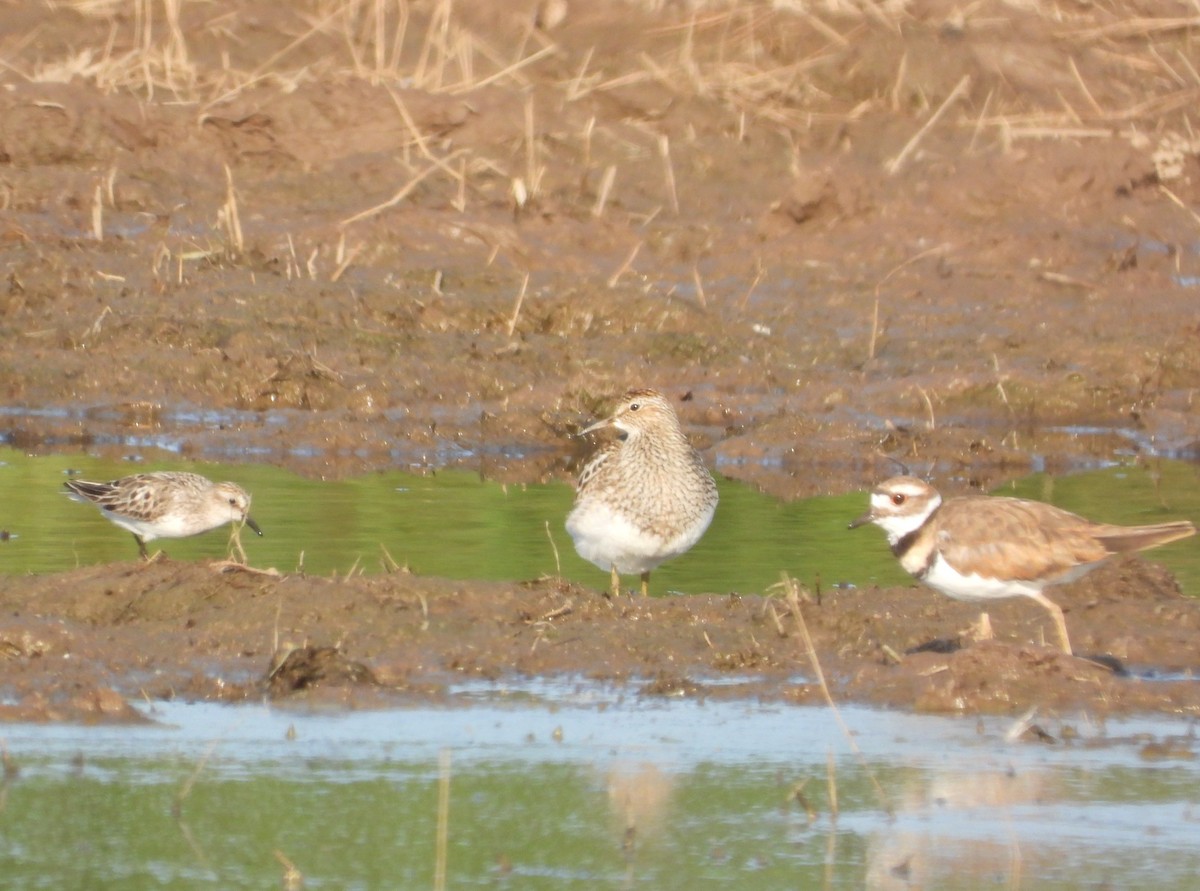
[[165, 504], [978, 547], [644, 497]]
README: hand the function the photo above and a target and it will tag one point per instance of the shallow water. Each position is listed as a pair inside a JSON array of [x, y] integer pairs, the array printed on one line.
[[456, 525], [576, 786]]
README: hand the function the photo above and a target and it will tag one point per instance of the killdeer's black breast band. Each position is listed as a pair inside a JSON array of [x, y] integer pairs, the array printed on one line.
[[902, 545], [905, 544]]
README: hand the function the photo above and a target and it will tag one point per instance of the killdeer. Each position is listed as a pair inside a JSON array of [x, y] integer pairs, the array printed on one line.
[[979, 548], [646, 496]]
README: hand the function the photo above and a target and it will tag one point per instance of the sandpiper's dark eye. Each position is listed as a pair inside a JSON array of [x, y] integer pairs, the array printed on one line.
[[634, 406], [233, 502], [899, 498]]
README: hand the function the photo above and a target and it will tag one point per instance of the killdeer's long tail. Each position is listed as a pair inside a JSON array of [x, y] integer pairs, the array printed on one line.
[[1120, 539]]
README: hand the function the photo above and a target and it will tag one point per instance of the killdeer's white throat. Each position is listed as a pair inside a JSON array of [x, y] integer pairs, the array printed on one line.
[[980, 548], [644, 497]]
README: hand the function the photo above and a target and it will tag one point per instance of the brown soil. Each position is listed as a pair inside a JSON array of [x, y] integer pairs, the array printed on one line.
[[77, 645], [905, 232]]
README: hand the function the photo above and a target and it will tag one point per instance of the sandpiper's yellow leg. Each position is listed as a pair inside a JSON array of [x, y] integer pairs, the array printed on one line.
[[646, 583], [615, 590]]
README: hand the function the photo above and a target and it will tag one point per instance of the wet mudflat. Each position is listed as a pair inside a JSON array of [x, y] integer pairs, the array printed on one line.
[[352, 238], [355, 238]]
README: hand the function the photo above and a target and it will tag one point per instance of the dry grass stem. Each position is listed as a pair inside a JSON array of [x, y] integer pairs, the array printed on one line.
[[893, 166], [418, 137], [874, 330], [898, 86], [931, 424], [460, 199], [228, 215], [936, 249], [520, 196], [979, 122], [831, 774], [223, 567], [575, 89], [533, 171], [1012, 133], [624, 267], [186, 789], [1000, 385], [509, 71], [606, 184], [388, 561], [292, 877], [1083, 87], [835, 37], [1136, 27], [664, 151], [516, 313], [237, 553], [554, 548], [758, 277], [94, 328], [792, 594], [400, 195], [699, 287], [1187, 63], [98, 214], [346, 263], [1179, 203], [443, 821]]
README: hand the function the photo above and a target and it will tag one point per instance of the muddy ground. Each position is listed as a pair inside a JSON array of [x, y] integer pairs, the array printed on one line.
[[348, 236]]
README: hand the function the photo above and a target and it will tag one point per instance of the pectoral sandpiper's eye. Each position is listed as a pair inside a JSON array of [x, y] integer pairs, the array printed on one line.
[[634, 406]]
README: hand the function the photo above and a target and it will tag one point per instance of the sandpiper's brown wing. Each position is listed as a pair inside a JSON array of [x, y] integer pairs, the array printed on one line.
[[1012, 538], [595, 464], [89, 491], [131, 496]]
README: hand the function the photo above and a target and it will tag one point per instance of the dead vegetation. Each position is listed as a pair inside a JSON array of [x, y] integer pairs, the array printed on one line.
[[744, 197], [1005, 72]]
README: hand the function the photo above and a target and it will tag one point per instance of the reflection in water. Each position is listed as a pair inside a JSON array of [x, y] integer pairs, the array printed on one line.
[[638, 795], [548, 783], [960, 829]]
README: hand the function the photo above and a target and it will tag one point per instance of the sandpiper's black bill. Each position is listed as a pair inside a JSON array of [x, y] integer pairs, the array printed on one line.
[[253, 525]]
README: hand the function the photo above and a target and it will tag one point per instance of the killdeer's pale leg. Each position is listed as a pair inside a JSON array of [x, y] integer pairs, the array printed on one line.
[[1060, 622]]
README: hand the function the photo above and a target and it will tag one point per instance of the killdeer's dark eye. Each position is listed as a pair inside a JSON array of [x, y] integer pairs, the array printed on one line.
[[899, 498]]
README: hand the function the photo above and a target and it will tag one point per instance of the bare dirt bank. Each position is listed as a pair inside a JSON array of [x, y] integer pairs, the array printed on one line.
[[342, 236]]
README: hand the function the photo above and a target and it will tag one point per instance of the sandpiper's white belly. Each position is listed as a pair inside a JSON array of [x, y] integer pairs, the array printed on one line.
[[607, 538], [167, 525]]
